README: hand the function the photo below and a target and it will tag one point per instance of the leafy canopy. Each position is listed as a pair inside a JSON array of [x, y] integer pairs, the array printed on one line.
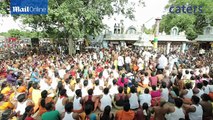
[[75, 18], [192, 24]]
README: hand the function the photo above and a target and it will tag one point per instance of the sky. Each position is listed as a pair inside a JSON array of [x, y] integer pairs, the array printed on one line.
[[143, 15]]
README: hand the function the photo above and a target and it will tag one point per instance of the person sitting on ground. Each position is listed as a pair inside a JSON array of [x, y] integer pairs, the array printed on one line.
[[143, 113], [120, 97], [92, 100], [43, 101], [145, 97], [125, 114], [88, 113], [5, 103], [105, 100], [106, 115], [156, 96], [69, 114], [133, 99], [51, 114], [78, 102], [61, 101]]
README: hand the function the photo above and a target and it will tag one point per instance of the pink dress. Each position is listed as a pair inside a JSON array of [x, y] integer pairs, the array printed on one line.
[[153, 80], [120, 83]]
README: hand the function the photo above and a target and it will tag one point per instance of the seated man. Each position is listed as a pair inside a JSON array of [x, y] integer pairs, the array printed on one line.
[[125, 114]]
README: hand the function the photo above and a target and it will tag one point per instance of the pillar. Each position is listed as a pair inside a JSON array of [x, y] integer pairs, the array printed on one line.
[[168, 47], [156, 33], [183, 47]]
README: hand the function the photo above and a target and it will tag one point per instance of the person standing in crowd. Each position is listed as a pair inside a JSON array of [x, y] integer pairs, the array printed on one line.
[[120, 62]]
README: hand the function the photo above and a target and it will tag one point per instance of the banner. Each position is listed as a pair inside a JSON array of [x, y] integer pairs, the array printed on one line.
[[28, 7]]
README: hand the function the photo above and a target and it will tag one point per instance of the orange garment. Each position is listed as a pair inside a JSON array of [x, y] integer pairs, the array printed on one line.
[[211, 95], [22, 89], [41, 109], [30, 93], [135, 67], [123, 115]]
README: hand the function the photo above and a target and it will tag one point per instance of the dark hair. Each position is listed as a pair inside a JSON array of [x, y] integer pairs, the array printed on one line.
[[195, 99], [133, 89], [27, 110], [106, 113], [88, 109], [114, 81], [90, 91], [6, 114], [97, 82], [60, 86], [78, 92], [3, 85], [85, 82], [35, 85], [78, 80], [63, 92], [43, 96], [21, 97], [146, 73], [49, 106], [145, 106], [188, 85], [122, 78], [205, 97], [178, 102], [106, 90], [120, 89], [205, 83], [199, 85], [126, 107], [146, 90], [164, 84], [69, 107], [187, 71], [30, 84], [176, 90], [153, 87]]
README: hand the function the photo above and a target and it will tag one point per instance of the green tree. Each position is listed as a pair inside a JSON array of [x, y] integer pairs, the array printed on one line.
[[77, 18], [193, 23]]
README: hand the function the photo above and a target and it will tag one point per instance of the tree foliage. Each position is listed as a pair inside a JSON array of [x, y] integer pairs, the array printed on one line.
[[76, 18], [23, 34], [192, 24]]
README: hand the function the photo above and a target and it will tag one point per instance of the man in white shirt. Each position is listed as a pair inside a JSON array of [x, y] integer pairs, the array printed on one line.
[[162, 63], [120, 62], [127, 63]]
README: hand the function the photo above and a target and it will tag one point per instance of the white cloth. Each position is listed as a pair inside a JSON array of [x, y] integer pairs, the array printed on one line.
[[206, 89], [145, 98], [133, 101], [77, 103], [176, 115], [127, 60], [120, 61], [189, 94], [21, 107], [61, 73], [113, 90], [59, 105], [105, 101], [162, 62], [198, 114], [68, 116], [165, 94]]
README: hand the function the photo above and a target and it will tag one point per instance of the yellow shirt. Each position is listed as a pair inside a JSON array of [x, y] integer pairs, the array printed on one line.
[[6, 105], [6, 90]]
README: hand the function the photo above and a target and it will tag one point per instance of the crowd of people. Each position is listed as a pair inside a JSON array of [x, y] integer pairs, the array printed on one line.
[[107, 85]]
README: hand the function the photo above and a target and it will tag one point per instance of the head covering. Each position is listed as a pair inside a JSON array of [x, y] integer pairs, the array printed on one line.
[[22, 89]]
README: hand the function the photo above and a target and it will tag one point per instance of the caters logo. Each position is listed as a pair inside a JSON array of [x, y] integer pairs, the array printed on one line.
[[187, 9]]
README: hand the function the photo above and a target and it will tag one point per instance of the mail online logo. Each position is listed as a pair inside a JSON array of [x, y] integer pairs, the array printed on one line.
[[29, 6], [186, 9]]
